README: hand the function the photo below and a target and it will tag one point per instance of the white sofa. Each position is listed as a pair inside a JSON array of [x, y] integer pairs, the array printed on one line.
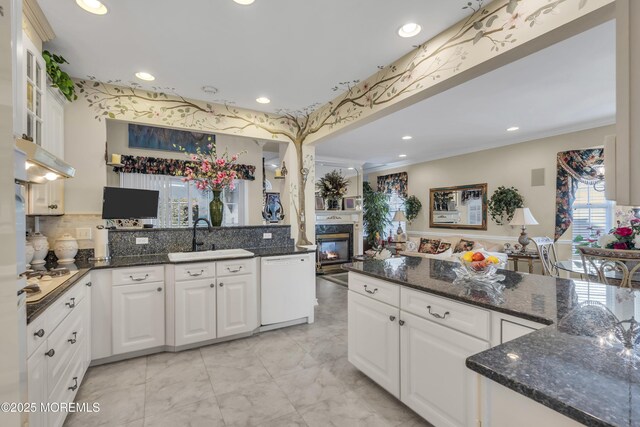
[[491, 248]]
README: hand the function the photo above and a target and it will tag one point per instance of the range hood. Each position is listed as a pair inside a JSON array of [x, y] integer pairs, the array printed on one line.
[[42, 166]]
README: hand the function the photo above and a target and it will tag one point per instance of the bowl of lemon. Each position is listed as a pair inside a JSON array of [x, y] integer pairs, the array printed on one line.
[[478, 264]]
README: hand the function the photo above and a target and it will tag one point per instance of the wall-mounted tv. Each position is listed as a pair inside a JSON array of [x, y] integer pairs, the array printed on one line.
[[129, 203]]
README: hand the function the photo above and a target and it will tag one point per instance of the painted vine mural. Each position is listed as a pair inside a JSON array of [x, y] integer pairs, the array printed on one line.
[[485, 33]]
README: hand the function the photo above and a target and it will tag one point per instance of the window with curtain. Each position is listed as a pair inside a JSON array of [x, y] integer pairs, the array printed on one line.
[[395, 186], [592, 213], [180, 203]]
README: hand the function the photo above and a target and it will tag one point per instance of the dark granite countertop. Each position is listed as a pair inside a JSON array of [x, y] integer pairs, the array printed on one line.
[[84, 266], [568, 366]]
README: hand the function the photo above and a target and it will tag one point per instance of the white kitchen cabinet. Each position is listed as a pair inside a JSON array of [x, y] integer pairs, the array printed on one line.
[[53, 134], [37, 384], [434, 380], [237, 305], [137, 317], [195, 311], [374, 340], [46, 199]]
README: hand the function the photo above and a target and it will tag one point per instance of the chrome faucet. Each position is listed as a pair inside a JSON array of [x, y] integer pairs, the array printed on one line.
[[194, 242]]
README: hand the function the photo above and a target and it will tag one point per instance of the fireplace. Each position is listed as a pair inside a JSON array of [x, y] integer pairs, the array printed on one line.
[[334, 247]]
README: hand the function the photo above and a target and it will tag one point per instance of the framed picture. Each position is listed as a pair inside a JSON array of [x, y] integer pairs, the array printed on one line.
[[319, 203], [349, 203], [157, 138]]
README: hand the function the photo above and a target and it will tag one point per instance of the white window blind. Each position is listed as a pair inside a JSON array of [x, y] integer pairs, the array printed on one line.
[[180, 203], [591, 213]]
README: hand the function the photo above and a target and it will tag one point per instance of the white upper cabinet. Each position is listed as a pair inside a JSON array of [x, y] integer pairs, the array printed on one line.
[[34, 90], [53, 135]]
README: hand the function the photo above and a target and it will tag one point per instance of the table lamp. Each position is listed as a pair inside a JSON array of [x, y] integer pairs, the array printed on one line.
[[523, 217], [399, 218]]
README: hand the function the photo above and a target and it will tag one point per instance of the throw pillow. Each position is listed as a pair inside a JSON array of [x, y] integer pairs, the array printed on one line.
[[464, 245], [443, 247], [429, 246]]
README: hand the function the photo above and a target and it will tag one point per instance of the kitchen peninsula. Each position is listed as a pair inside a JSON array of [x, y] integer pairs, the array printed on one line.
[[541, 339]]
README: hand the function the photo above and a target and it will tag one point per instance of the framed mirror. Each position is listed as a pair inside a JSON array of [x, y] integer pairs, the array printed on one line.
[[462, 207]]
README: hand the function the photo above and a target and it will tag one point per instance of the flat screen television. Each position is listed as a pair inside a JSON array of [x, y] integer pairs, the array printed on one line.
[[129, 203]]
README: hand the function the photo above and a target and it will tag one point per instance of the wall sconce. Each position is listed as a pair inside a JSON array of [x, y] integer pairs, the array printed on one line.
[[282, 172]]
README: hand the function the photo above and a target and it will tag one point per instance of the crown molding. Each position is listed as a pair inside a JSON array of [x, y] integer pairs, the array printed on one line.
[[33, 13]]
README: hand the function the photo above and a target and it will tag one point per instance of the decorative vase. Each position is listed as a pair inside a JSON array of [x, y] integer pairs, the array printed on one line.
[[40, 246], [333, 204], [215, 209], [28, 253], [66, 249]]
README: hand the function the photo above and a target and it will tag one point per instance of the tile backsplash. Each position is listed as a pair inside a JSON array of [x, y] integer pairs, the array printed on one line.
[[55, 226]]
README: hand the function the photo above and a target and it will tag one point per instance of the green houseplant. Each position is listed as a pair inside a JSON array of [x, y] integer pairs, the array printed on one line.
[[412, 208], [332, 188], [503, 204], [375, 213], [59, 78]]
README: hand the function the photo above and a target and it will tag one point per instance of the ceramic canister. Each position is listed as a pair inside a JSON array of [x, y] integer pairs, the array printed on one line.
[[28, 253], [40, 246], [66, 248]]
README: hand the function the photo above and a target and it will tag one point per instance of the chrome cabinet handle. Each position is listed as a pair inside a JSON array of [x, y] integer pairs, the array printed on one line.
[[221, 284], [401, 322], [159, 289], [392, 318], [75, 384], [88, 284], [50, 353], [139, 279], [53, 206], [71, 303], [213, 285], [39, 334], [370, 292], [436, 315], [234, 271], [196, 274], [74, 339]]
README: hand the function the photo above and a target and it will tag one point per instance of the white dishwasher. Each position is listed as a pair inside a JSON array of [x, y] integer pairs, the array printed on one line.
[[287, 288]]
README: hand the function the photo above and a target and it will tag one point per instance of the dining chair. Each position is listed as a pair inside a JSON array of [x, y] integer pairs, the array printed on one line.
[[547, 252], [612, 267]]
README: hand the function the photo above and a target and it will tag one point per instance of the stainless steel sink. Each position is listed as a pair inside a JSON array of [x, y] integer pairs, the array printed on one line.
[[209, 255]]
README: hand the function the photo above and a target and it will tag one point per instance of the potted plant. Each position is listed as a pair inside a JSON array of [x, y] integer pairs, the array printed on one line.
[[375, 213], [503, 204], [412, 208], [332, 188], [59, 78], [212, 172]]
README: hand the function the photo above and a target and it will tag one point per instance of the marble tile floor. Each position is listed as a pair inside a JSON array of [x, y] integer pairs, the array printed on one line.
[[298, 376]]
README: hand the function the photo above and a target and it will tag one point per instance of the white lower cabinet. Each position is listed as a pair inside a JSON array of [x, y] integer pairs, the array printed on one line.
[[37, 384], [237, 305], [195, 311], [434, 380], [374, 340], [138, 317]]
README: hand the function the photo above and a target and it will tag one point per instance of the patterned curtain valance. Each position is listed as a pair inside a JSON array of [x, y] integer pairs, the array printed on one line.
[[397, 182], [573, 167], [157, 166]]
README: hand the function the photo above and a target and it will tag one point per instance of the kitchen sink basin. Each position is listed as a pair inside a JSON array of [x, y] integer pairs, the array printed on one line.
[[209, 255]]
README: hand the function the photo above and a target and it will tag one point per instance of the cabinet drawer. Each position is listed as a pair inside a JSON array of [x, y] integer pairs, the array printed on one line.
[[63, 343], [195, 271], [462, 317], [37, 333], [68, 386], [63, 306], [234, 267], [377, 289], [131, 276]]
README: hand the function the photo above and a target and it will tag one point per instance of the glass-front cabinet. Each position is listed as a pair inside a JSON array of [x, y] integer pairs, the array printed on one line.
[[35, 81]]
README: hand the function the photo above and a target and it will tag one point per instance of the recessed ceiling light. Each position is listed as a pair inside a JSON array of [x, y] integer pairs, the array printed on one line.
[[244, 2], [263, 100], [273, 166], [350, 169], [92, 6], [402, 155], [407, 137], [409, 30], [145, 76], [513, 129]]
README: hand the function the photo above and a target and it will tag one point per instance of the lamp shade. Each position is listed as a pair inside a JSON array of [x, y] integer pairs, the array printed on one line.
[[399, 216], [523, 216]]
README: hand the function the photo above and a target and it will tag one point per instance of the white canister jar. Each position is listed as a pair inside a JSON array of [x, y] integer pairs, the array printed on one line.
[[40, 247], [29, 251], [66, 249]]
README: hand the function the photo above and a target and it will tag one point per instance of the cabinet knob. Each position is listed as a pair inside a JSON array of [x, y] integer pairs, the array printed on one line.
[[401, 322], [50, 353], [40, 333], [88, 284], [213, 285], [392, 318], [221, 284], [53, 206], [159, 289], [71, 303]]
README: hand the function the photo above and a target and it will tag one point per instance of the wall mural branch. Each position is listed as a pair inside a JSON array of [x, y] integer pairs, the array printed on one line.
[[487, 31]]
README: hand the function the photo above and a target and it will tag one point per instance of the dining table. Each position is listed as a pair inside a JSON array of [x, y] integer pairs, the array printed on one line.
[[576, 266]]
